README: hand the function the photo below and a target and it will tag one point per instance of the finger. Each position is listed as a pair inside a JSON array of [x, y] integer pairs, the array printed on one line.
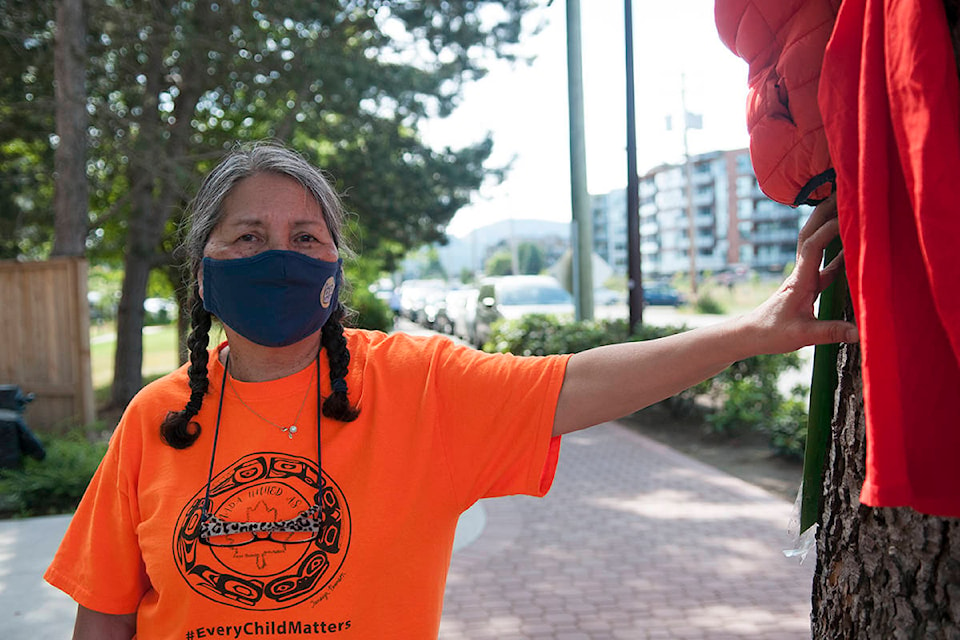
[[833, 331], [829, 273], [812, 248], [821, 213]]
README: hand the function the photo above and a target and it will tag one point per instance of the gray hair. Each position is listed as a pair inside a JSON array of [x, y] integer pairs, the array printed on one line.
[[244, 161]]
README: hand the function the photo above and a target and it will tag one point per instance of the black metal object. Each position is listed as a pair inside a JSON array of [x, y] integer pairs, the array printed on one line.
[[634, 258], [16, 439]]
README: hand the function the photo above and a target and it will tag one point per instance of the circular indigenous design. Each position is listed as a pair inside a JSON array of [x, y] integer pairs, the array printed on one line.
[[326, 294], [264, 570]]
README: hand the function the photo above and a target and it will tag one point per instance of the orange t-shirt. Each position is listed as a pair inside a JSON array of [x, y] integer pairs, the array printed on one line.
[[440, 427]]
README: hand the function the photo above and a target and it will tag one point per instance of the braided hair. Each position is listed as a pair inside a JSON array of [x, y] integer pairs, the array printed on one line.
[[337, 405], [178, 429]]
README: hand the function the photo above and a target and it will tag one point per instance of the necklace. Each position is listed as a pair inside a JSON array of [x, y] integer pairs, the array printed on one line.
[[290, 430]]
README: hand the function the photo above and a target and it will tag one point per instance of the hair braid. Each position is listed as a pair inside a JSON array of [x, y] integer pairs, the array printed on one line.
[[337, 405], [178, 429]]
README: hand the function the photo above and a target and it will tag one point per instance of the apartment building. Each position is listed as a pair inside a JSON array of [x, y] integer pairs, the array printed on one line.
[[734, 225]]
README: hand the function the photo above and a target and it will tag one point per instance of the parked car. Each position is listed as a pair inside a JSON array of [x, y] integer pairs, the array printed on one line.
[[662, 294], [607, 297], [513, 297], [433, 313], [413, 296], [461, 313]]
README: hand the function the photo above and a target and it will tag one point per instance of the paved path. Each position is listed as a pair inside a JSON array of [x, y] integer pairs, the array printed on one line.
[[634, 541]]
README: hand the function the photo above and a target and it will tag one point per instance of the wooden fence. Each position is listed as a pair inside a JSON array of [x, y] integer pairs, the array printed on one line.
[[45, 340]]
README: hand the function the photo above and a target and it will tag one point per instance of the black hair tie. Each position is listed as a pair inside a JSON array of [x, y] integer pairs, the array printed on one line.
[[339, 385]]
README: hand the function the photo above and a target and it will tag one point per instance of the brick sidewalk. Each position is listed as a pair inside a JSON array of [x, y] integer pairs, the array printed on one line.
[[634, 541]]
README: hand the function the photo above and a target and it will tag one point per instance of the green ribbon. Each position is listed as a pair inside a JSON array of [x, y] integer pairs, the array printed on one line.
[[823, 387]]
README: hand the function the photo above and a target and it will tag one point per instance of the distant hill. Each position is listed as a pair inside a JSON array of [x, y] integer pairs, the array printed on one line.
[[470, 250], [496, 231]]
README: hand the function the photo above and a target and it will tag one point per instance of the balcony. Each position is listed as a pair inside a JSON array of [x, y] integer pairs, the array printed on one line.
[[776, 236], [702, 243], [770, 212], [704, 199], [704, 221]]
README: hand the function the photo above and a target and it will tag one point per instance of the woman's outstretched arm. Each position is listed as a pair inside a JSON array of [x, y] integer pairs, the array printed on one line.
[[610, 382]]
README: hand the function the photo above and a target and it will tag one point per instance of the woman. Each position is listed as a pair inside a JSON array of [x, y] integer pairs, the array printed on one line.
[[312, 481]]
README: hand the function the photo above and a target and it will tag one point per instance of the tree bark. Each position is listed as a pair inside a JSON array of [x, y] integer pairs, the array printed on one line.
[[70, 157], [887, 573]]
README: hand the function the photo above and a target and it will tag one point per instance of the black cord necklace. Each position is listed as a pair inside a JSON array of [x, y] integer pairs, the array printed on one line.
[[318, 499]]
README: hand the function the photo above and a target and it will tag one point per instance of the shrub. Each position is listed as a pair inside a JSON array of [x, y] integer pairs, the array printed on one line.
[[745, 405], [706, 303], [54, 485], [748, 394], [369, 311], [788, 430], [540, 335]]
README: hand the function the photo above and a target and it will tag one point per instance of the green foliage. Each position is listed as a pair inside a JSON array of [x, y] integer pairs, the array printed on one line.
[[530, 258], [26, 122], [467, 276], [55, 484], [26, 199], [500, 263], [538, 335], [542, 335], [788, 430], [708, 304], [749, 396], [745, 405], [369, 312]]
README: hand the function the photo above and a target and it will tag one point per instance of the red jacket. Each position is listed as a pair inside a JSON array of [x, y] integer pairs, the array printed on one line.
[[783, 42], [889, 87]]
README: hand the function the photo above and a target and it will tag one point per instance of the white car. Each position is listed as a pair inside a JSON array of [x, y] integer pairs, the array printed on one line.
[[513, 297]]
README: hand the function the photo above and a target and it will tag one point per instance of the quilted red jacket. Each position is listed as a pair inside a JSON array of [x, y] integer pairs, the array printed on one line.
[[783, 42]]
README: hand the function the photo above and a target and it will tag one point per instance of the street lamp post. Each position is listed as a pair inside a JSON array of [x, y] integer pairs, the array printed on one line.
[[580, 199]]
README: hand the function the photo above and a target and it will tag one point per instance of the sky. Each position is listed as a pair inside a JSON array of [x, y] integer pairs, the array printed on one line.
[[525, 107]]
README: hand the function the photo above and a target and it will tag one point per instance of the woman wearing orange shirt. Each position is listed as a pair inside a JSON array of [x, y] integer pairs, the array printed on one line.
[[302, 478]]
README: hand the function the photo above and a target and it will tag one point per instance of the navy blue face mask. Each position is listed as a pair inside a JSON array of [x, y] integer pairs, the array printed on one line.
[[275, 298]]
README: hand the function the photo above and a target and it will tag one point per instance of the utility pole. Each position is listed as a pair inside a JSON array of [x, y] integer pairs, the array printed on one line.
[[582, 226], [634, 258], [688, 170]]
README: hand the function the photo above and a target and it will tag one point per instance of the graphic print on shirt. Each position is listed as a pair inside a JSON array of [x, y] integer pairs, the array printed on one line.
[[261, 571]]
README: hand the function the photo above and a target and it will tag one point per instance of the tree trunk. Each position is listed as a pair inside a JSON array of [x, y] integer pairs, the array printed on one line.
[[886, 573], [137, 263], [70, 157]]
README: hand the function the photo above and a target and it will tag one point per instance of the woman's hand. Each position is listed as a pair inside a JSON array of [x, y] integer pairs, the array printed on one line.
[[786, 321]]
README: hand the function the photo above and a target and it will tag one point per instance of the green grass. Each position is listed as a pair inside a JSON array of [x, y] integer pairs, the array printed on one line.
[[742, 297], [159, 352]]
